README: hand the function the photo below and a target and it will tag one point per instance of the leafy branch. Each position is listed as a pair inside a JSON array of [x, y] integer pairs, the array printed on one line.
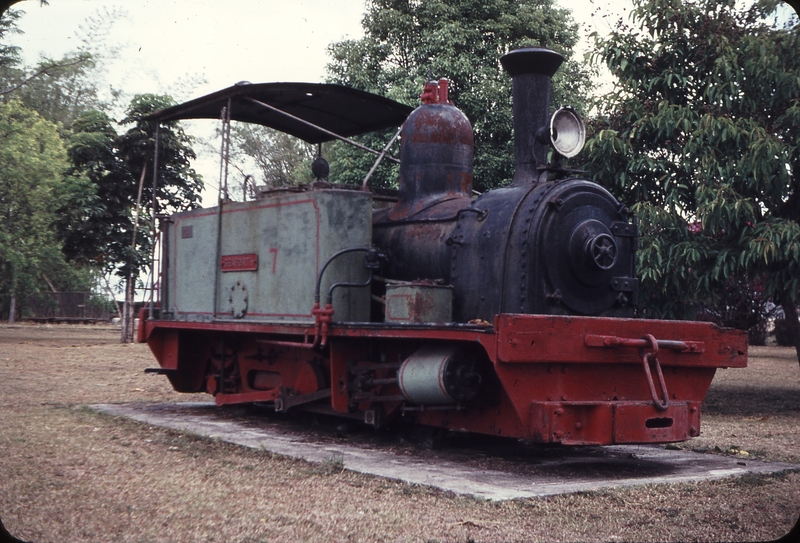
[[45, 70]]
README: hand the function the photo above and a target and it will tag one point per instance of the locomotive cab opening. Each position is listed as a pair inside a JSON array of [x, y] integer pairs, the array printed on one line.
[[509, 313]]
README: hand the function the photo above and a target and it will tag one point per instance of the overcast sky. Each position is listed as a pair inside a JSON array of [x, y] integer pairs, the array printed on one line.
[[188, 48]]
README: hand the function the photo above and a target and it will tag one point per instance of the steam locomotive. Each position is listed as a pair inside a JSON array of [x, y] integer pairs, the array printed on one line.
[[510, 313]]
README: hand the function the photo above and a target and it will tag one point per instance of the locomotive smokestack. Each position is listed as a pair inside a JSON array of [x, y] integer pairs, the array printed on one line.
[[531, 70]]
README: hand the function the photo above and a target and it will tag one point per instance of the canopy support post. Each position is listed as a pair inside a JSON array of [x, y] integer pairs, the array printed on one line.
[[222, 197], [151, 302]]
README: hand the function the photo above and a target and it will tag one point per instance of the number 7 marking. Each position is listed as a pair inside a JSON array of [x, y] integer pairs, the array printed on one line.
[[274, 252]]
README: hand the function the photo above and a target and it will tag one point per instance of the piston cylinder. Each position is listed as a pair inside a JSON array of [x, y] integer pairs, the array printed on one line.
[[439, 374]]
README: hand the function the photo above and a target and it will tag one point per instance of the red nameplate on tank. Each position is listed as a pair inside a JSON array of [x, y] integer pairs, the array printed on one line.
[[247, 262]]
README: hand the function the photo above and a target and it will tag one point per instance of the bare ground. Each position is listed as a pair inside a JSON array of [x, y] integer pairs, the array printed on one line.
[[70, 474]]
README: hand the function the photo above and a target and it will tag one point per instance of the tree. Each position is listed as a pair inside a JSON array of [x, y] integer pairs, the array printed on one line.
[[109, 192], [283, 160], [406, 40], [9, 54], [700, 138], [32, 162], [179, 185], [57, 89], [61, 89], [93, 218]]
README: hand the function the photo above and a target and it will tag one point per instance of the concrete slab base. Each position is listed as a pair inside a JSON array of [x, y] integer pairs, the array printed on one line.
[[568, 471]]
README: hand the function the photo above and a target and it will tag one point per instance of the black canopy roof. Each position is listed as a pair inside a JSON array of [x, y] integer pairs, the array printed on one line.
[[338, 109]]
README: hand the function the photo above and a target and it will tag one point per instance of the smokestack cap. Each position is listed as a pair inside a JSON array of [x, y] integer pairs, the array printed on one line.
[[531, 60]]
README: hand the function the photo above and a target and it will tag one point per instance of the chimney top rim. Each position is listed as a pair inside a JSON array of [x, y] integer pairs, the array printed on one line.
[[531, 60]]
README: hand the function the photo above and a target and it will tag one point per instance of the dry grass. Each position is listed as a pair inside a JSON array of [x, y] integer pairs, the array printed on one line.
[[70, 474]]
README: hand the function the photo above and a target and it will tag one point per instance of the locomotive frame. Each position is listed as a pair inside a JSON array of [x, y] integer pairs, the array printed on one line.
[[508, 314]]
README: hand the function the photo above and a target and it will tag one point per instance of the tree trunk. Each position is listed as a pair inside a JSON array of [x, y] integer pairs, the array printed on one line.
[[13, 309], [131, 305], [12, 312], [113, 297], [123, 332], [128, 315], [790, 313], [128, 309]]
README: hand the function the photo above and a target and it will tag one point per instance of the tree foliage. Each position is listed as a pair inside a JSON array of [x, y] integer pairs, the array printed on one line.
[[408, 41], [39, 105], [59, 90], [179, 185], [85, 205], [96, 215], [9, 54], [52, 88], [32, 162], [281, 159], [700, 138]]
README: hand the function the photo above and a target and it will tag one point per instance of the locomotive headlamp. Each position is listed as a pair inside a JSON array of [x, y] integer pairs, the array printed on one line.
[[567, 132]]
